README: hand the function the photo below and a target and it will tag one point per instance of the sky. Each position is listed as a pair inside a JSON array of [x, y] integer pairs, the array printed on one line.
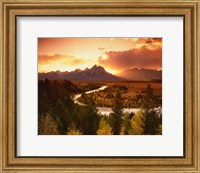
[[114, 54]]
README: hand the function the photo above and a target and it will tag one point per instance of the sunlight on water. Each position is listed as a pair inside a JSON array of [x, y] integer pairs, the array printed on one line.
[[102, 110]]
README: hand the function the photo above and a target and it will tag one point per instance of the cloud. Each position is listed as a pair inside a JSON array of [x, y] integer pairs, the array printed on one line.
[[150, 43], [57, 58], [77, 61], [43, 59], [101, 48], [60, 62], [138, 57], [153, 41], [132, 39]]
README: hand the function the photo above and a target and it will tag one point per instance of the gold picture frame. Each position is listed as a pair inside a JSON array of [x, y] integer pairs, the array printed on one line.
[[10, 9]]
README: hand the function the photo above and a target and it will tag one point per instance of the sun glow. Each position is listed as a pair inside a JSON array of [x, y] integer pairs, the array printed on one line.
[[112, 71], [104, 56], [69, 54]]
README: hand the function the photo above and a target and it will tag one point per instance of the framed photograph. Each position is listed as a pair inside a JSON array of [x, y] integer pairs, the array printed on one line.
[[99, 86], [122, 95]]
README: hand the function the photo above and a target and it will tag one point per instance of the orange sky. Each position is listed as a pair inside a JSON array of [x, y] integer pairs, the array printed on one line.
[[114, 54]]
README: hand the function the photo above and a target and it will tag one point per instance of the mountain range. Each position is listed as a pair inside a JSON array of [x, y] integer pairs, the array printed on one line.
[[95, 73], [141, 74], [98, 73]]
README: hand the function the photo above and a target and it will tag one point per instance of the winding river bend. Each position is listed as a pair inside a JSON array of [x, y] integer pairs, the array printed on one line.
[[102, 110]]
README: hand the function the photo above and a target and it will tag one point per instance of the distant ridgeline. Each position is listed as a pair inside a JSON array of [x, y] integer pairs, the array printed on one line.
[[98, 73]]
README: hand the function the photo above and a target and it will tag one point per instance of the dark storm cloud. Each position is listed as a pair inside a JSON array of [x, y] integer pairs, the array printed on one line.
[[140, 58]]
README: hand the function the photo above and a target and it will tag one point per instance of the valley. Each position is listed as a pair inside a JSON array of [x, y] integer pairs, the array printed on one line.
[[74, 104]]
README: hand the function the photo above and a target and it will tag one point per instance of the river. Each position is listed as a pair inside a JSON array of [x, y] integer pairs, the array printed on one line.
[[102, 110]]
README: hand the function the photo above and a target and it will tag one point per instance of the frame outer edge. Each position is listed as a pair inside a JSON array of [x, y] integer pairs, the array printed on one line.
[[198, 87], [198, 84], [4, 91], [3, 82], [195, 81]]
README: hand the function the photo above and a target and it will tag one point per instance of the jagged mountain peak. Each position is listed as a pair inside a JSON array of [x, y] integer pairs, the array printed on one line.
[[94, 73], [78, 70], [98, 68]]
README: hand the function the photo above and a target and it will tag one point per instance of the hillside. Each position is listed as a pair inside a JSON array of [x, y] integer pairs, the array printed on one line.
[[142, 74]]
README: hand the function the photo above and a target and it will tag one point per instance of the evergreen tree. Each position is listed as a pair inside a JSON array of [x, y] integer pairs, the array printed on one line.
[[116, 116], [148, 102], [151, 122], [44, 103], [90, 121], [126, 124], [63, 116]]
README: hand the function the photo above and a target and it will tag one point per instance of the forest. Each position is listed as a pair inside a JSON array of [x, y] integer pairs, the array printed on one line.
[[58, 114], [106, 97]]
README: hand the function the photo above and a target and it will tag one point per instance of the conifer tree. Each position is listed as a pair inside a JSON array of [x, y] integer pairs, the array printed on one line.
[[116, 116]]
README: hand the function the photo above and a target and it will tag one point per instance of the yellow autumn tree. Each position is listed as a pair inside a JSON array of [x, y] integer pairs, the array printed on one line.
[[74, 132], [104, 127], [137, 123]]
